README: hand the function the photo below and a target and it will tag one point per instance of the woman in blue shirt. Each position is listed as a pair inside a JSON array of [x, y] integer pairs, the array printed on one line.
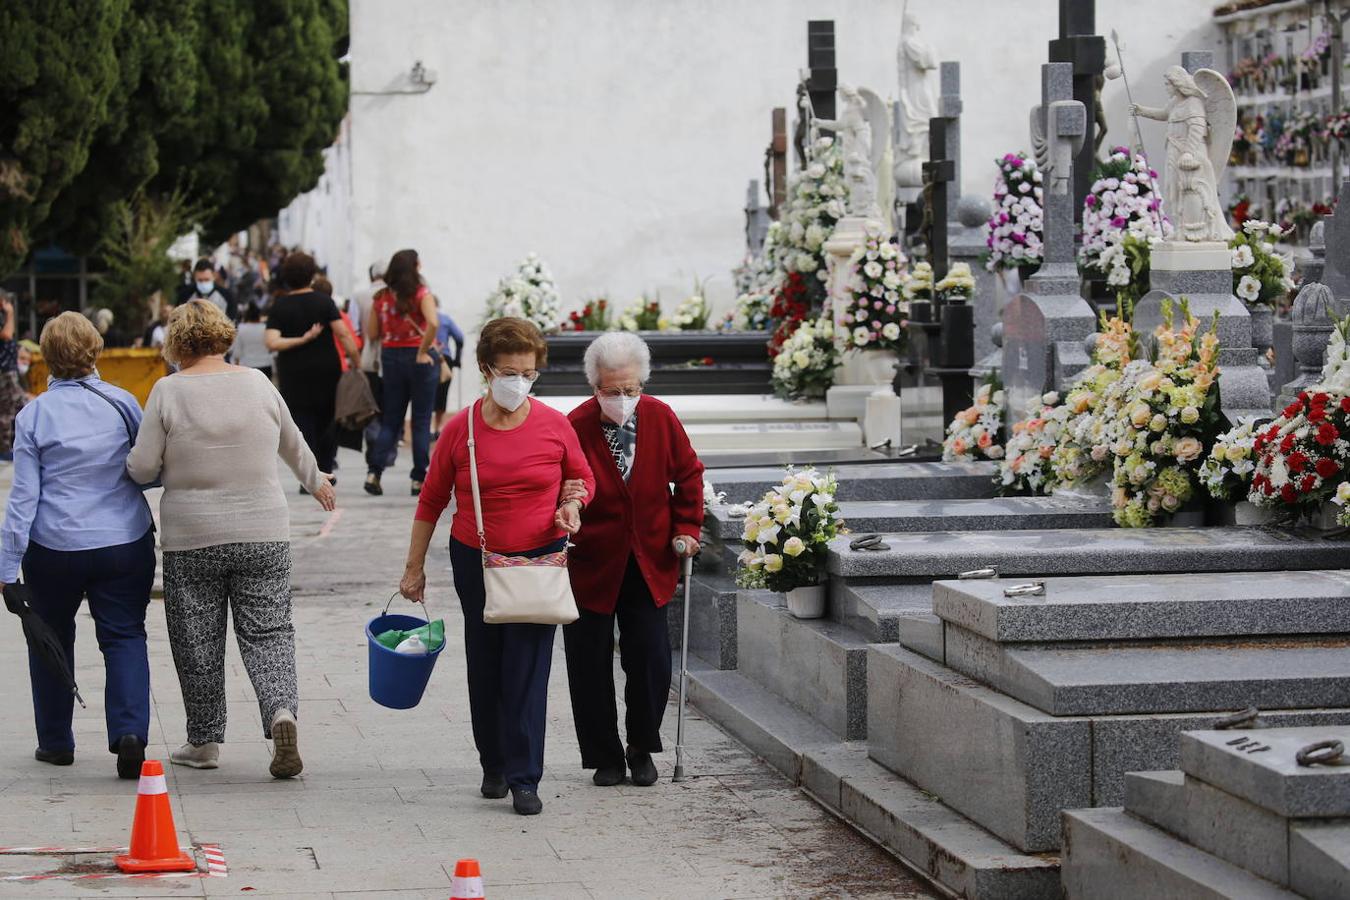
[[79, 526]]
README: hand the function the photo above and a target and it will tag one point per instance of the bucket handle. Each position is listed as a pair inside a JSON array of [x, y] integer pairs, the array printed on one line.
[[423, 604]]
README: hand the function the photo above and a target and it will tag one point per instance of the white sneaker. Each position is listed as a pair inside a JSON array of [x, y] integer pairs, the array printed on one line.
[[285, 750], [197, 756]]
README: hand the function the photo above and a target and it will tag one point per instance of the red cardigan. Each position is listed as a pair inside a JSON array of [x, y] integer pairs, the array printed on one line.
[[639, 517]]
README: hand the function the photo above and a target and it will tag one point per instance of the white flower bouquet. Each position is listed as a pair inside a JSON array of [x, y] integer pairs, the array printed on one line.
[[977, 432], [751, 313], [804, 366], [1083, 448], [1014, 233], [876, 311], [641, 315], [1124, 197], [528, 294], [1260, 275], [1025, 467], [1227, 472], [788, 532], [690, 315], [959, 283]]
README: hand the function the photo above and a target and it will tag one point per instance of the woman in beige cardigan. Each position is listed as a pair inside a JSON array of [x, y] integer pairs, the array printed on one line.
[[212, 433]]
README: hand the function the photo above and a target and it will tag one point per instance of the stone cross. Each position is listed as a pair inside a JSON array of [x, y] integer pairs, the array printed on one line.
[[819, 81], [775, 164], [938, 172], [756, 220], [949, 108], [1085, 52], [1065, 134]]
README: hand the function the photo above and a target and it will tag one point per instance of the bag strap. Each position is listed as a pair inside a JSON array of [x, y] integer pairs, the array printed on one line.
[[473, 480], [122, 413]]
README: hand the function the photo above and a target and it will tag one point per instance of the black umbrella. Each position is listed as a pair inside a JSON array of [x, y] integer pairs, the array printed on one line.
[[41, 639]]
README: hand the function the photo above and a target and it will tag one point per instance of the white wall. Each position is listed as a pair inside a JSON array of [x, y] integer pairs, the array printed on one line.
[[615, 137]]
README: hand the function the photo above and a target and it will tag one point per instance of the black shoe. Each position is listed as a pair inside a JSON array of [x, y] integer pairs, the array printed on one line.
[[643, 769], [494, 787], [55, 757], [608, 776], [130, 755], [526, 802], [372, 485]]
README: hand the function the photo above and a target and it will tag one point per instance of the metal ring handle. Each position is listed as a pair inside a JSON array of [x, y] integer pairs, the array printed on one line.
[[425, 613], [868, 542], [1239, 719], [1322, 752]]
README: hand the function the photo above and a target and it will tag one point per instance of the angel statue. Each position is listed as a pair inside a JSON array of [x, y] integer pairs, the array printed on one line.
[[862, 131], [917, 64], [1201, 115]]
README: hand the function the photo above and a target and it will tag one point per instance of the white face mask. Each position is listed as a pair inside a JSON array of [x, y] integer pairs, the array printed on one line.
[[510, 391], [618, 409], [206, 287]]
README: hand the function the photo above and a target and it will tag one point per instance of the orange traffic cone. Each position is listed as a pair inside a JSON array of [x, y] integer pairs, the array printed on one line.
[[467, 884], [154, 843]]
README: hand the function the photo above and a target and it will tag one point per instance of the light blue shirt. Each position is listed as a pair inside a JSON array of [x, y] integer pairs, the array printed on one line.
[[71, 488]]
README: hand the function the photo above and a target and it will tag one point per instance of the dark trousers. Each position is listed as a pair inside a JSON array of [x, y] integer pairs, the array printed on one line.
[[644, 654], [372, 433], [508, 676], [117, 581], [406, 382], [320, 433]]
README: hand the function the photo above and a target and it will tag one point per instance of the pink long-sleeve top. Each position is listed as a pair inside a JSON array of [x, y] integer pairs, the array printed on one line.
[[520, 475]]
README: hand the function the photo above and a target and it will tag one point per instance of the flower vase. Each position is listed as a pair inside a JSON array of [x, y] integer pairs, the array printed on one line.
[[1323, 518], [1263, 329], [1191, 515], [1024, 272], [878, 367], [1247, 513], [807, 602]]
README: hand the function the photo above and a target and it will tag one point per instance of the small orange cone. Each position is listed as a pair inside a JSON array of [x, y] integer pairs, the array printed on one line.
[[467, 884], [154, 842]]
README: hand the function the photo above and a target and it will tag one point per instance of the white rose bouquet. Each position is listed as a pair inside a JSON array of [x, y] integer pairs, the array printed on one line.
[[1260, 275], [1124, 199], [788, 532], [1083, 448], [528, 294], [1227, 472], [691, 314], [876, 312], [959, 283], [1015, 232], [977, 432], [804, 366]]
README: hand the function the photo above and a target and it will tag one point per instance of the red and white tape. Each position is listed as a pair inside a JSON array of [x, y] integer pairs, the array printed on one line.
[[215, 864]]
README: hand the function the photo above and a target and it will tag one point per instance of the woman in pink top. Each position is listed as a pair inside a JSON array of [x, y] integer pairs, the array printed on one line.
[[525, 452]]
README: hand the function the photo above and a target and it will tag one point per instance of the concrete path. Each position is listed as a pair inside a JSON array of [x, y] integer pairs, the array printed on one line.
[[389, 799]]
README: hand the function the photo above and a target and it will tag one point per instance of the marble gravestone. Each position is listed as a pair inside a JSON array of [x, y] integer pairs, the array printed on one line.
[[756, 220], [1045, 327]]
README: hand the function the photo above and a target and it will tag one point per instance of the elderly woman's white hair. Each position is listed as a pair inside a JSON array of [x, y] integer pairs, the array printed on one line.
[[616, 350]]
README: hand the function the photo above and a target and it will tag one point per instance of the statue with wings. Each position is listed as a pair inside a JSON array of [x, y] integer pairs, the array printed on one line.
[[1201, 115], [863, 130]]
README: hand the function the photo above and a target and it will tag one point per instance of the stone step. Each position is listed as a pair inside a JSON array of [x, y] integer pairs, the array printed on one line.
[[1008, 766], [816, 665], [932, 838], [712, 619], [713, 437], [1272, 778], [923, 634], [1147, 607], [1099, 679], [1158, 799], [1319, 859], [888, 516], [1090, 551], [873, 610], [878, 480], [1110, 855]]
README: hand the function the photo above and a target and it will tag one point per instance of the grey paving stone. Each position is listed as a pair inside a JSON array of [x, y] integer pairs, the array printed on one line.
[[1008, 767], [817, 665], [890, 516], [1271, 779], [1090, 551], [1080, 680], [871, 481], [924, 635], [1109, 855], [1232, 829], [1319, 859], [1143, 607], [1156, 797]]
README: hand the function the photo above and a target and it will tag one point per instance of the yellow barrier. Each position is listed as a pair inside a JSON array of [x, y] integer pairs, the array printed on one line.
[[135, 371]]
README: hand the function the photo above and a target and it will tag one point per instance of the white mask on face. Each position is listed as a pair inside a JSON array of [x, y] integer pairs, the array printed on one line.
[[618, 409], [510, 391]]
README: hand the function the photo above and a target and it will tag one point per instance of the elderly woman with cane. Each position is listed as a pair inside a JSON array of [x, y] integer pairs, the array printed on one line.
[[627, 558]]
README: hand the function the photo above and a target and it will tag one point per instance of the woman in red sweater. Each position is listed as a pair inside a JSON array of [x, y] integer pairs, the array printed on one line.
[[525, 451], [627, 559]]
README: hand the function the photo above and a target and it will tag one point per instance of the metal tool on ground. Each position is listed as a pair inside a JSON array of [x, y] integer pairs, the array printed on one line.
[[467, 882], [42, 640], [678, 775], [154, 842]]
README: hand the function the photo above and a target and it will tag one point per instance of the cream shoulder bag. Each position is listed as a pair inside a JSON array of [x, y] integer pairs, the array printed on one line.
[[518, 588]]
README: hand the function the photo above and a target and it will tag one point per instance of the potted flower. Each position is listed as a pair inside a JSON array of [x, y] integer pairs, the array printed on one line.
[[641, 315], [958, 285], [804, 366], [1122, 218], [1227, 475], [1014, 233], [1025, 466], [877, 310], [977, 432], [1081, 460], [594, 316], [691, 314], [787, 535], [1261, 277]]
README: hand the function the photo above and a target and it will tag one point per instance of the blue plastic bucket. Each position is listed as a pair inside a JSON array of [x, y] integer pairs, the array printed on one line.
[[397, 680]]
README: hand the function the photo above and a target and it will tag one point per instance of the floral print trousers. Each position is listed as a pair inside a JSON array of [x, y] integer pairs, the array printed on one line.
[[253, 582]]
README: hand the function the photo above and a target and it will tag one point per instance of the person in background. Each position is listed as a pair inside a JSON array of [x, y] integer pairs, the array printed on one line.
[[450, 344], [212, 434], [154, 333], [362, 301], [80, 528], [525, 451], [300, 329], [627, 558], [250, 343], [12, 394], [205, 287], [404, 317]]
